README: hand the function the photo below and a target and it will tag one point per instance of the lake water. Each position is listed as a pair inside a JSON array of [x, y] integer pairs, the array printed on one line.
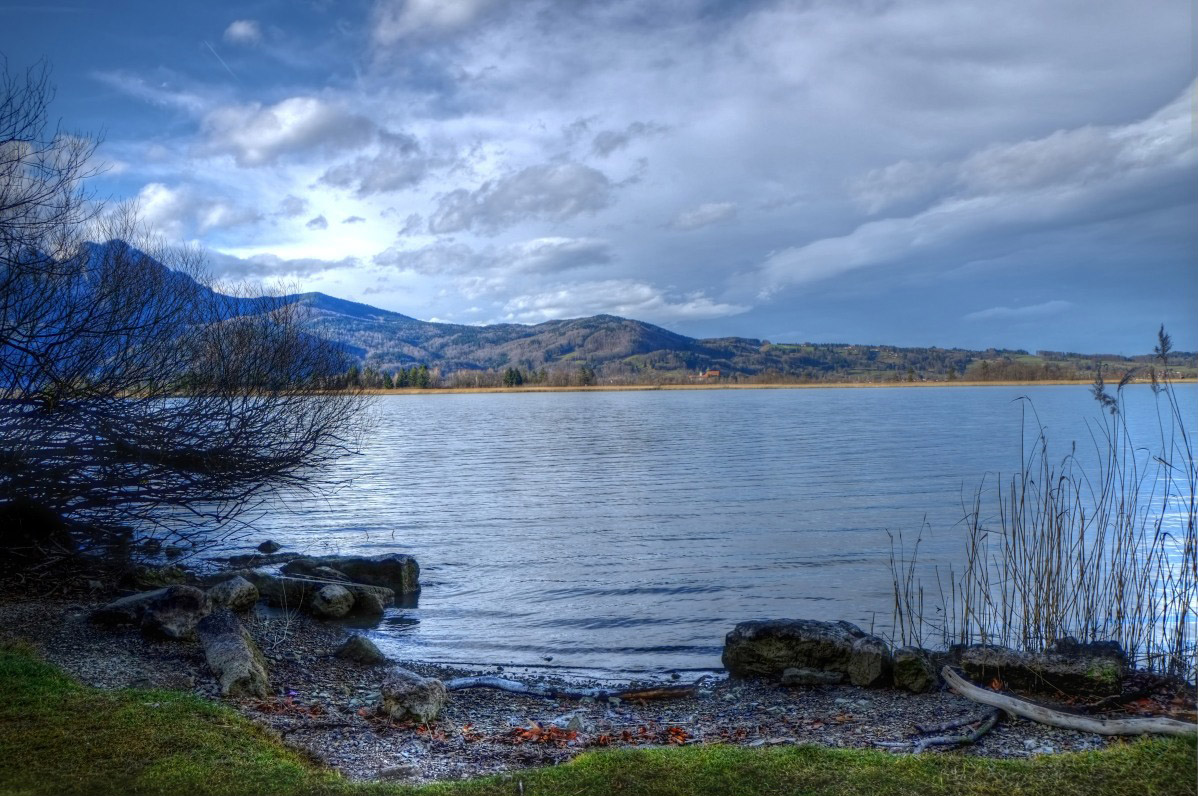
[[625, 533]]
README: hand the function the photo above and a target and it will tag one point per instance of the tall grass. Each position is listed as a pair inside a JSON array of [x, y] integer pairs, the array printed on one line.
[[1098, 553]]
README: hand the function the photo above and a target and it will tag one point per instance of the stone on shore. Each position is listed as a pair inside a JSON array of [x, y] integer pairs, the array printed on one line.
[[359, 649], [1071, 667], [768, 648], [269, 546], [233, 656], [171, 612], [299, 593], [331, 602], [810, 677], [395, 571], [236, 594], [913, 670], [408, 696]]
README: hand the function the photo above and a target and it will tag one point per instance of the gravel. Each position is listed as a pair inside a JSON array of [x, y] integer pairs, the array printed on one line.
[[329, 707]]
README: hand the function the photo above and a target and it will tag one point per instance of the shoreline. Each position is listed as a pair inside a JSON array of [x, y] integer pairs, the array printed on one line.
[[727, 386]]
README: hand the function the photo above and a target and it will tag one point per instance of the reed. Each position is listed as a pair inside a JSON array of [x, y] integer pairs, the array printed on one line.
[[1104, 552]]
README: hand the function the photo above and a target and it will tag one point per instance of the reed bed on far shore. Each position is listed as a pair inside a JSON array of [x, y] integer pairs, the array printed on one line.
[[1107, 551]]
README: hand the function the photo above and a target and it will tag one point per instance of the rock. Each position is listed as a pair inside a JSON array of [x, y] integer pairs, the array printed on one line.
[[407, 695], [269, 546], [768, 648], [331, 602], [395, 571], [913, 670], [360, 649], [256, 559], [811, 677], [299, 593], [233, 657], [236, 594], [401, 771], [328, 573], [172, 612], [870, 663], [1091, 670], [141, 578]]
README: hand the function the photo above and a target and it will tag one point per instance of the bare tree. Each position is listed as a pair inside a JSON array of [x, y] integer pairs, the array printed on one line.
[[133, 394]]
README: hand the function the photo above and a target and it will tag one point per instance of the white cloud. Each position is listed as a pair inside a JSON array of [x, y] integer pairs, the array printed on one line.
[[1048, 308], [183, 211], [292, 206], [257, 135], [550, 192], [243, 31], [398, 19], [704, 216], [318, 222], [352, 220]]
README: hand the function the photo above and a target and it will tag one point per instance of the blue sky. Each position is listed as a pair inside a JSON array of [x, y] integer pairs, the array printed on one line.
[[952, 173]]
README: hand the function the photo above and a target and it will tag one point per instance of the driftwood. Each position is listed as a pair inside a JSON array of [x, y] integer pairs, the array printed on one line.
[[599, 694], [924, 729], [1069, 721], [987, 724]]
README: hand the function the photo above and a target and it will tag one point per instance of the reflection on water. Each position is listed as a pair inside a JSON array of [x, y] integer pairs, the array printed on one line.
[[629, 531]]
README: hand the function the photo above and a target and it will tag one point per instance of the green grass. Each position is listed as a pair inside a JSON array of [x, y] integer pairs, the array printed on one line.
[[57, 737]]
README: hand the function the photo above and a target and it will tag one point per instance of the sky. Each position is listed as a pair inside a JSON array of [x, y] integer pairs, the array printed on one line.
[[957, 173]]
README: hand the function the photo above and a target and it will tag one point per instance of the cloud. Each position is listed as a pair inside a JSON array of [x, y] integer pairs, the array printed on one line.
[[160, 94], [412, 225], [608, 141], [182, 211], [268, 266], [292, 206], [898, 184], [704, 216], [629, 298], [319, 222], [400, 19], [398, 163], [1005, 191], [552, 192], [539, 256], [352, 220], [243, 31], [257, 135], [1048, 308]]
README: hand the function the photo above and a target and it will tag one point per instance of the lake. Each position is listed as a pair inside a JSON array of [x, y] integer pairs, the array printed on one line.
[[624, 533]]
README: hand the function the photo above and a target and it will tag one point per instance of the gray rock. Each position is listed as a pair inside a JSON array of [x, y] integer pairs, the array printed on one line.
[[236, 594], [401, 771], [360, 649], [328, 573], [172, 612], [395, 571], [870, 663], [298, 593], [811, 677], [233, 656], [407, 695], [269, 546], [768, 648], [331, 602], [1096, 670], [913, 670]]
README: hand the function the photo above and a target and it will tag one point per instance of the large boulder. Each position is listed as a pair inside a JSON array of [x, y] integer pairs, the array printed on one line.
[[811, 677], [395, 571], [768, 648], [300, 593], [233, 656], [913, 670], [359, 649], [236, 594], [408, 696], [1078, 669], [332, 602], [171, 612]]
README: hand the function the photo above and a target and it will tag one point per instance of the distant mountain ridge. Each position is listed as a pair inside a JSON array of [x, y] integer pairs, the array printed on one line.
[[625, 349]]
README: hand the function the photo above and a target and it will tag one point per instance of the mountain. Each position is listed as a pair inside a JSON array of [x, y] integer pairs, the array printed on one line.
[[624, 349]]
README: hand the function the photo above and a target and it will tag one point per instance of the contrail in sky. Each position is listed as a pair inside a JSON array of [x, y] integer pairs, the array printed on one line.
[[222, 61]]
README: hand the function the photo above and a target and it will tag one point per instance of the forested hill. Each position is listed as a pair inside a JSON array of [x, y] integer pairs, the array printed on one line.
[[613, 349], [606, 349]]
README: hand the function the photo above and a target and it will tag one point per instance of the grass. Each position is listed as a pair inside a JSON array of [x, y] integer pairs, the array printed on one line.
[[58, 737]]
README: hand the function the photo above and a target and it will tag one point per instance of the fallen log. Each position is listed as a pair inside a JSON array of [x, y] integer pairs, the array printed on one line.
[[1069, 721], [960, 740], [551, 692]]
